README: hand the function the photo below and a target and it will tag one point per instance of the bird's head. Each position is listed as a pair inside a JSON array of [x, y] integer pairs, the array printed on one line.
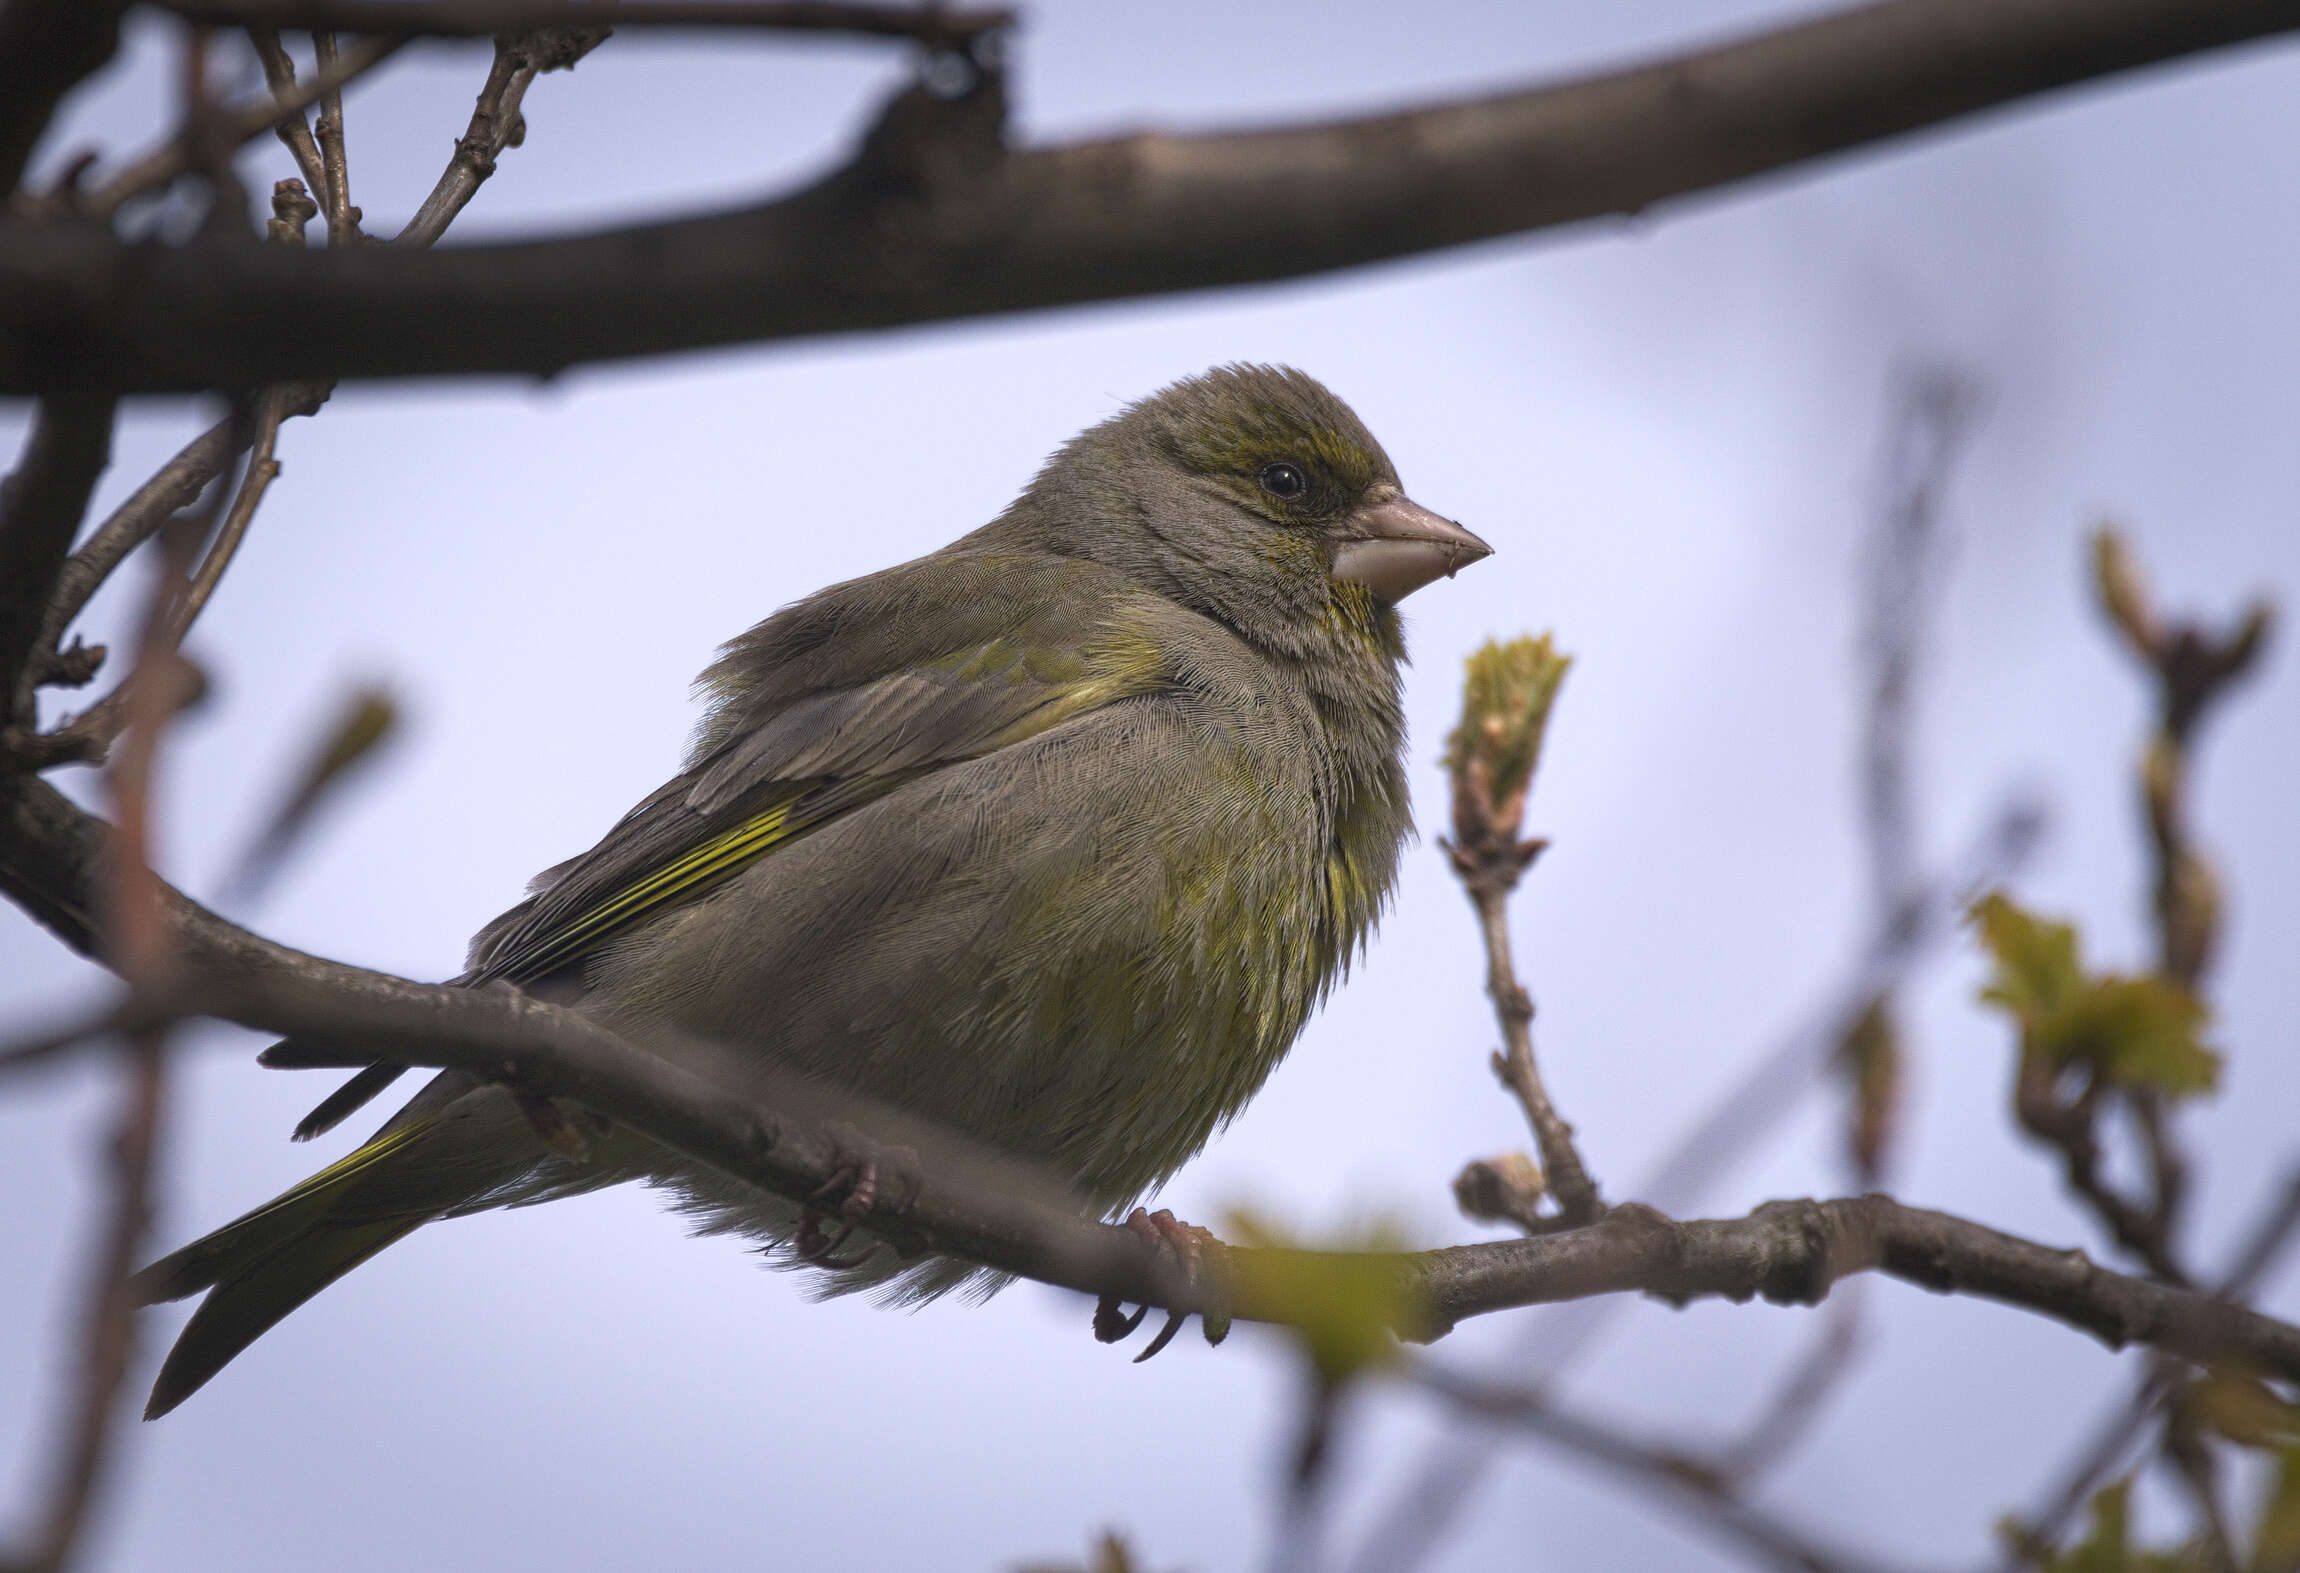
[[1251, 493]]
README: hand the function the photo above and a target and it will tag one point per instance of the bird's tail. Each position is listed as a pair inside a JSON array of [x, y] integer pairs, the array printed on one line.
[[263, 1265]]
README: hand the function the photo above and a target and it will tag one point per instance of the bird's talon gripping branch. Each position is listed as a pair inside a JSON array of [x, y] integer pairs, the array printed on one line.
[[809, 1245], [1112, 1324], [1192, 1249], [869, 1178]]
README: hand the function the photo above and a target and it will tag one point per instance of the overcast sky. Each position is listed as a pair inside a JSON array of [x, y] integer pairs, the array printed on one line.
[[1669, 428]]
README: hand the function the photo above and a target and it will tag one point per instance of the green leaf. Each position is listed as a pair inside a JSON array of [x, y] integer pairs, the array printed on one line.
[[2131, 1031], [2038, 973]]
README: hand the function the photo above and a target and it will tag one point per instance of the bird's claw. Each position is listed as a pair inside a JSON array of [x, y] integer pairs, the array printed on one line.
[[1192, 1251], [867, 1172]]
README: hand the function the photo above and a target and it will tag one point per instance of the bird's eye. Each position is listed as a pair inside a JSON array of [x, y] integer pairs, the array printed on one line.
[[1283, 481]]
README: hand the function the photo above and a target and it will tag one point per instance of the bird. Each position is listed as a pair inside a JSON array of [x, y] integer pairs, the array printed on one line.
[[1054, 838]]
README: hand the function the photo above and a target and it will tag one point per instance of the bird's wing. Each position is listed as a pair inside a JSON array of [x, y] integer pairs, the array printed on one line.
[[824, 707], [969, 675]]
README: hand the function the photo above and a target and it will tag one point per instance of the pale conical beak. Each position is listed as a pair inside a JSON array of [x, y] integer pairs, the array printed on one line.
[[1393, 546]]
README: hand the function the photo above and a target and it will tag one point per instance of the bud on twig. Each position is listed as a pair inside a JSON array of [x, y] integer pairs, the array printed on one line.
[[1506, 697], [1505, 1189], [292, 209]]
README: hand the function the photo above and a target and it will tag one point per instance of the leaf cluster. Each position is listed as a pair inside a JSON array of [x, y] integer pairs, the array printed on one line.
[[2130, 1031]]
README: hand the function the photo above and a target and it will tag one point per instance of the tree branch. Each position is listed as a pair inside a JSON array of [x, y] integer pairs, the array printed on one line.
[[47, 48], [40, 510], [1690, 1484], [782, 1138], [494, 125], [932, 25], [936, 220], [232, 126]]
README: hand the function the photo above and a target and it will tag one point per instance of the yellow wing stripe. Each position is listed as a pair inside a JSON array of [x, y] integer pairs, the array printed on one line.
[[337, 1174], [722, 855]]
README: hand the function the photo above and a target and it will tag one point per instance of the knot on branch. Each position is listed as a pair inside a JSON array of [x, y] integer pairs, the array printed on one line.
[[73, 667], [1804, 1247], [942, 134]]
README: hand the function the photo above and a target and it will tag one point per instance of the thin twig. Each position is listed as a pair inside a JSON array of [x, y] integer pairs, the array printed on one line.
[[108, 1324], [1799, 1401], [495, 124], [1684, 1482], [335, 169], [1568, 1180], [938, 218], [2101, 1457], [237, 125], [1492, 756], [1932, 415], [141, 945], [176, 484], [89, 735], [41, 504], [293, 129], [2197, 1470], [262, 469], [937, 27]]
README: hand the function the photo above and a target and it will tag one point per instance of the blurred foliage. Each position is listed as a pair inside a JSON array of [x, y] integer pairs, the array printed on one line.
[[2140, 1032], [2238, 1405], [365, 720], [1342, 1298], [2276, 1534], [2108, 1547]]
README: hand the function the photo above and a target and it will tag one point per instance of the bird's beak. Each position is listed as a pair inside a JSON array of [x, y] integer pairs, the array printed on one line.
[[1393, 546]]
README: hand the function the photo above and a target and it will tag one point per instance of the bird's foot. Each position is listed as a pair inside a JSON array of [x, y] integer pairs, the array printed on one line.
[[1195, 1253], [868, 1174]]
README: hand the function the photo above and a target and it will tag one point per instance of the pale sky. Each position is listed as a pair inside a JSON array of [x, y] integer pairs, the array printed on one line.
[[1669, 428]]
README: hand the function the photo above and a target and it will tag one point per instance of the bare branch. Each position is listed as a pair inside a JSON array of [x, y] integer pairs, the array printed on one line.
[[40, 509], [141, 943], [47, 47], [2100, 1458], [1800, 1399], [935, 219], [334, 191], [179, 482], [51, 856], [292, 128], [495, 125], [230, 128], [108, 1325], [1932, 416], [1685, 1482], [935, 26], [1753, 1108]]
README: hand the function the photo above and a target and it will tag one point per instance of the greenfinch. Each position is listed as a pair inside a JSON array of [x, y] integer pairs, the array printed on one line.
[[1053, 838]]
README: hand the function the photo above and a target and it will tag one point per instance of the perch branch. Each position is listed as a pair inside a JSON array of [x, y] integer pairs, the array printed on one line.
[[52, 855]]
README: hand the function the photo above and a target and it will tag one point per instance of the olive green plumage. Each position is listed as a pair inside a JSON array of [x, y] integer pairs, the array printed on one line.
[[1054, 837]]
